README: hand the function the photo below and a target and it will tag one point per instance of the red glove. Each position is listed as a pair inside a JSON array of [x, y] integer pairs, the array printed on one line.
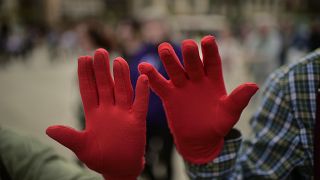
[[113, 142], [198, 109]]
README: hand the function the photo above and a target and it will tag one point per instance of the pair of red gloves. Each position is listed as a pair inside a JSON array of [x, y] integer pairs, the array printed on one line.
[[198, 109]]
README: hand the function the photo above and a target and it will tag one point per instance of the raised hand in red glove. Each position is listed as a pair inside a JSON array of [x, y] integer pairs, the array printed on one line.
[[199, 110], [113, 142]]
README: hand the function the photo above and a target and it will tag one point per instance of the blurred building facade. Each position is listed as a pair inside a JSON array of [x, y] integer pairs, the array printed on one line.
[[53, 11]]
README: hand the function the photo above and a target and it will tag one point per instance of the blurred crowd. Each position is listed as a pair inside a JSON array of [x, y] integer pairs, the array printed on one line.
[[261, 45], [253, 48], [17, 40]]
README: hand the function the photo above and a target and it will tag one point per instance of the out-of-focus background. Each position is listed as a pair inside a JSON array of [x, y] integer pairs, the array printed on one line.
[[40, 41]]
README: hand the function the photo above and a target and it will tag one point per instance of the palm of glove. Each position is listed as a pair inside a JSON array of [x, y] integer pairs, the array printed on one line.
[[198, 109], [192, 111], [113, 142], [106, 134]]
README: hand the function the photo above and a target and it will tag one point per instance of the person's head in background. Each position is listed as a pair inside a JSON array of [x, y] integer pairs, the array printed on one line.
[[265, 24], [154, 26], [94, 34], [128, 37]]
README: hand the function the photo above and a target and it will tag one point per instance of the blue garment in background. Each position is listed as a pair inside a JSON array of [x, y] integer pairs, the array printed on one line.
[[149, 53]]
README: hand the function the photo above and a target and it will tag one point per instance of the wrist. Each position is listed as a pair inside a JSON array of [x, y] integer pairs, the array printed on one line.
[[233, 134], [203, 155]]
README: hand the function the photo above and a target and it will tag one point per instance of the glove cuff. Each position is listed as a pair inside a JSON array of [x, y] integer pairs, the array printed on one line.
[[205, 158]]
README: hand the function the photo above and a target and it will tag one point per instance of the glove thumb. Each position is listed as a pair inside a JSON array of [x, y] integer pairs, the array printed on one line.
[[66, 136], [240, 97]]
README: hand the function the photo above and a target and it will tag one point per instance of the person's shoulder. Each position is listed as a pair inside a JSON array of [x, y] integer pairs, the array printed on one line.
[[308, 64], [305, 63]]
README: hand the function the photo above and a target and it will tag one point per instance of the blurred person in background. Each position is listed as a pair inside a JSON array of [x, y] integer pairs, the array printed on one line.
[[300, 42], [93, 34], [53, 37], [69, 39], [15, 43], [286, 32], [154, 30], [263, 45], [22, 40], [4, 34], [128, 38]]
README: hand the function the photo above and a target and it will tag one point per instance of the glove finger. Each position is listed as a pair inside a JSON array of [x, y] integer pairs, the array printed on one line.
[[140, 104], [66, 136], [157, 82], [87, 82], [212, 60], [172, 64], [191, 59], [103, 77], [123, 87]]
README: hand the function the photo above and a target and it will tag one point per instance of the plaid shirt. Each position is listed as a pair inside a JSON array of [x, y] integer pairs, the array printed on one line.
[[281, 146]]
